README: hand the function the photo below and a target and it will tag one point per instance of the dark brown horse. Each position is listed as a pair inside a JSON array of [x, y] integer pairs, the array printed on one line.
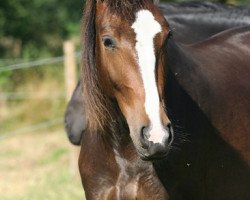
[[208, 93], [126, 82]]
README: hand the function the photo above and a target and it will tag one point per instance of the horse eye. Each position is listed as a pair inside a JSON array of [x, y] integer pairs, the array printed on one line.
[[108, 42]]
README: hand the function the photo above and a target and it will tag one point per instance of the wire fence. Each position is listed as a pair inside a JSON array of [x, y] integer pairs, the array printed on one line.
[[42, 62], [6, 96], [36, 127]]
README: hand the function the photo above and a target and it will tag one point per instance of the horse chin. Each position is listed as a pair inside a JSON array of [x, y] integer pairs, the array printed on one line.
[[149, 152], [145, 156]]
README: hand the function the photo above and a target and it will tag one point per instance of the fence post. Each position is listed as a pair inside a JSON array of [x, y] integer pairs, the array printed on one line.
[[70, 84]]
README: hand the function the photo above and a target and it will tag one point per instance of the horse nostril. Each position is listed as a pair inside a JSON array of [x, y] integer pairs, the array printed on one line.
[[144, 132], [171, 134], [144, 135]]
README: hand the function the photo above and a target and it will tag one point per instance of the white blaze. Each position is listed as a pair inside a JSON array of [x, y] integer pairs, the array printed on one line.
[[146, 28]]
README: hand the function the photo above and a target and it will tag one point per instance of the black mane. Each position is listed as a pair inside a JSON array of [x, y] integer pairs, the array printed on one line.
[[199, 9], [201, 20], [125, 8]]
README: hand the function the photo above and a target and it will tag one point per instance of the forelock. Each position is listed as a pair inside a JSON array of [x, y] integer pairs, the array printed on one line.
[[126, 9]]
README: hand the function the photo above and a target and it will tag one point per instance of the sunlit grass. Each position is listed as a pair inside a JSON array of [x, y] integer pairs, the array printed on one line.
[[35, 166], [42, 98]]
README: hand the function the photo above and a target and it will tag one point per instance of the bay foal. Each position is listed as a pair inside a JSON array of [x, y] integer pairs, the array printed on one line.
[[134, 92], [109, 165]]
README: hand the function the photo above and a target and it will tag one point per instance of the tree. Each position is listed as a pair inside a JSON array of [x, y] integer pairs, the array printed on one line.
[[35, 22]]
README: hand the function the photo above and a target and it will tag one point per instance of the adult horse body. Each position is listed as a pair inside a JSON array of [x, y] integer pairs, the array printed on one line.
[[116, 97], [191, 22], [208, 94]]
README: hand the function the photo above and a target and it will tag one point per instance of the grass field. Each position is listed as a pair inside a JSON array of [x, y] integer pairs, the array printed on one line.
[[34, 162], [35, 166]]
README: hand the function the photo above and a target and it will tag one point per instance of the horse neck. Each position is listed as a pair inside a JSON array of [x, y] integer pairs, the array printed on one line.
[[117, 141], [212, 19], [117, 145], [189, 74], [206, 11], [185, 70], [213, 86]]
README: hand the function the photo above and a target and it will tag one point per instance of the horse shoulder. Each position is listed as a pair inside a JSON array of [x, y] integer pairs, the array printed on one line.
[[225, 65]]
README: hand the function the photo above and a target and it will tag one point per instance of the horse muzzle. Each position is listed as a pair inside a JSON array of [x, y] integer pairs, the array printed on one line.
[[155, 149]]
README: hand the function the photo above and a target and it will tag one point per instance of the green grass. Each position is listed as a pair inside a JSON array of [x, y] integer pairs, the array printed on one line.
[[44, 100], [35, 166], [54, 156], [57, 184]]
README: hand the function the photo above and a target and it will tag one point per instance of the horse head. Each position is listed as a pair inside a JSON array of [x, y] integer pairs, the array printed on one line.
[[124, 61]]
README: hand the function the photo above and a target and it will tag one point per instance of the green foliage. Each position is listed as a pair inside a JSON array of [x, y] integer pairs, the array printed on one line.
[[4, 78], [246, 2], [39, 23]]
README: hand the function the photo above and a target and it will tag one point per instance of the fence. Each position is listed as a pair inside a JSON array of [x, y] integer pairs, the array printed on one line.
[[69, 59]]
